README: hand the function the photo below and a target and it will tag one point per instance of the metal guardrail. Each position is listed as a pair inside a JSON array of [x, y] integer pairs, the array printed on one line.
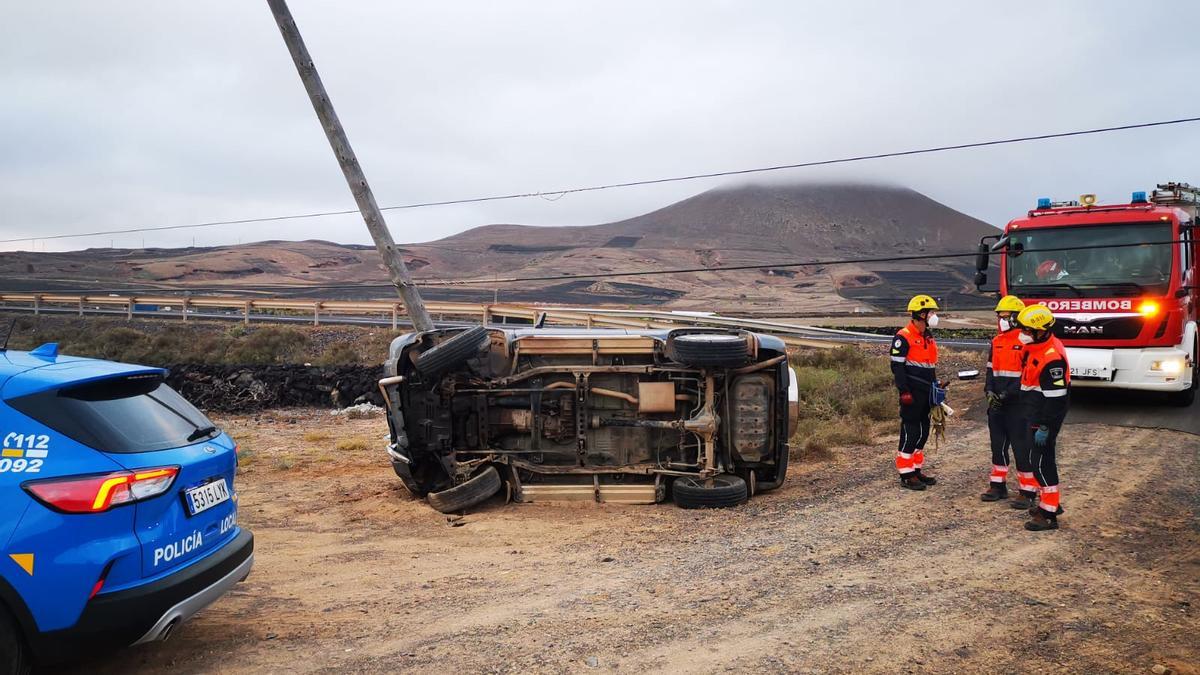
[[387, 311]]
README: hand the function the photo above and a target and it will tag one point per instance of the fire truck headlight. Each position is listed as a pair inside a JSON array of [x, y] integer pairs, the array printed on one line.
[[1170, 367], [1148, 308]]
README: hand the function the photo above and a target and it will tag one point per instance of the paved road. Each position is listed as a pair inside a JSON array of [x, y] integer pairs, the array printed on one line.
[[1131, 409]]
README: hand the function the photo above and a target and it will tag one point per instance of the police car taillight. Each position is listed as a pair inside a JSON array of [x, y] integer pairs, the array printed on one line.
[[97, 493]]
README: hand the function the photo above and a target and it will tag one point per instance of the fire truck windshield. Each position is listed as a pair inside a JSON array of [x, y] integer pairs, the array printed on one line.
[[1091, 272]]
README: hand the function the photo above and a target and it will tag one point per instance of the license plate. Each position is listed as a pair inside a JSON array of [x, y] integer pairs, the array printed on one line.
[[204, 497], [1094, 373]]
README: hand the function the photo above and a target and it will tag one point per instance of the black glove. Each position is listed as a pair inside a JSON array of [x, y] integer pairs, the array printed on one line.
[[994, 400]]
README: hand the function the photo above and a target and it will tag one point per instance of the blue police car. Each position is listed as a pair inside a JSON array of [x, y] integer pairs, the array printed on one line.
[[118, 518]]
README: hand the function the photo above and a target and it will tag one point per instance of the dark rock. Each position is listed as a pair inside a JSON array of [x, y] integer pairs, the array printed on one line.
[[248, 388]]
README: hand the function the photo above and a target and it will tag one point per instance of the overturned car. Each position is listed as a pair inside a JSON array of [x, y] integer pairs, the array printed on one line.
[[612, 415]]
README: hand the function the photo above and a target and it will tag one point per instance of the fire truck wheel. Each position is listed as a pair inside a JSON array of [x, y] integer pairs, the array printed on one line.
[[1187, 397]]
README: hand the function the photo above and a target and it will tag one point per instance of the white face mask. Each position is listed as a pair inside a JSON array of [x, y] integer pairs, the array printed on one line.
[[1005, 325], [932, 321], [1025, 338]]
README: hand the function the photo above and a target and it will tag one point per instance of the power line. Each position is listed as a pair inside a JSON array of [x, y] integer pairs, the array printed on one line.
[[631, 273], [653, 181]]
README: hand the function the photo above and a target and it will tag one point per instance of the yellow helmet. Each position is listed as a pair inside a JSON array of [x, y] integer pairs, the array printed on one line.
[[1010, 303], [920, 302], [1037, 317]]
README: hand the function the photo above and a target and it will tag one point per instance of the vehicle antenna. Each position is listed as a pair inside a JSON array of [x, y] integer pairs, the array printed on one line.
[[11, 326]]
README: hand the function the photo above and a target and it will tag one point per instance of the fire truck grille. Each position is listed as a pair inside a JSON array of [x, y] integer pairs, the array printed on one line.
[[1115, 328]]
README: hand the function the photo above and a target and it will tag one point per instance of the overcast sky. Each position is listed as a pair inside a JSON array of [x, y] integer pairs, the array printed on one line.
[[127, 114]]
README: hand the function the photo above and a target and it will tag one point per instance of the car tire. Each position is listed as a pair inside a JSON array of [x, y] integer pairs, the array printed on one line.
[[452, 352], [694, 492], [14, 655], [465, 495], [711, 349]]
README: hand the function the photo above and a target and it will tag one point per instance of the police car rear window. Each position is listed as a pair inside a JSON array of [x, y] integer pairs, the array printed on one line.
[[123, 415]]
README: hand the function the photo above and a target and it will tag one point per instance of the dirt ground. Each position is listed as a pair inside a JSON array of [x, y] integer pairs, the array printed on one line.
[[838, 571]]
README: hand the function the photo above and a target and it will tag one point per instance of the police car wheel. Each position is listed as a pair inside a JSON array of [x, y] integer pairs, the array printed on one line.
[[452, 352], [465, 495], [720, 491], [711, 349], [14, 657]]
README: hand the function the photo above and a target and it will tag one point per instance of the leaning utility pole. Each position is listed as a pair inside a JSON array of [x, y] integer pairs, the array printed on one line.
[[349, 163]]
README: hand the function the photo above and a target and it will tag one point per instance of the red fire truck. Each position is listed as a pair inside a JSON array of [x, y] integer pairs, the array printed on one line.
[[1121, 280]]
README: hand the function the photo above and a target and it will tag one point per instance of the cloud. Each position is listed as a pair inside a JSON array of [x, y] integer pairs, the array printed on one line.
[[147, 113]]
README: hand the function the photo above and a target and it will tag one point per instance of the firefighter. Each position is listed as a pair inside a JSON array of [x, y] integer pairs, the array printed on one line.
[[914, 360], [1002, 386], [1045, 382]]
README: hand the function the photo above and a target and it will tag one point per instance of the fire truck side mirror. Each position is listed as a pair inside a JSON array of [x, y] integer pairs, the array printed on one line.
[[981, 258], [980, 279]]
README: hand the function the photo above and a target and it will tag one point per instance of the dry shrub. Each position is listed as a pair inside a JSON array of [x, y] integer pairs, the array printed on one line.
[[340, 354], [352, 444], [316, 436], [844, 393], [271, 344], [877, 406]]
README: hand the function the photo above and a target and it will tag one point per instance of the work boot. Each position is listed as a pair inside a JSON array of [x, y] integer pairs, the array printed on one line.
[[928, 480], [1058, 511], [911, 481], [995, 492], [1042, 520], [1023, 500]]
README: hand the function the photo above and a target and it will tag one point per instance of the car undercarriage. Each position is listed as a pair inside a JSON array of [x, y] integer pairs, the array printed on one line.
[[608, 415]]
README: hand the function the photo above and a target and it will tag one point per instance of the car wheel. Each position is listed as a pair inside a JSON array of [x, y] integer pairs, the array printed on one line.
[[452, 352], [14, 656], [463, 496], [711, 349], [718, 492]]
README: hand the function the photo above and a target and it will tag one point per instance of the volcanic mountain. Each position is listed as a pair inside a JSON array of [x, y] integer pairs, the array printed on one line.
[[801, 219], [720, 228]]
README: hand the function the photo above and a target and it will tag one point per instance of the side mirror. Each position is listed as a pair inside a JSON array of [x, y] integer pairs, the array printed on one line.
[[981, 259], [980, 279]]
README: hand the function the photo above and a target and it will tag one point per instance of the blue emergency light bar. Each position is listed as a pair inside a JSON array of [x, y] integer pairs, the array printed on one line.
[[1139, 197], [1043, 202]]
